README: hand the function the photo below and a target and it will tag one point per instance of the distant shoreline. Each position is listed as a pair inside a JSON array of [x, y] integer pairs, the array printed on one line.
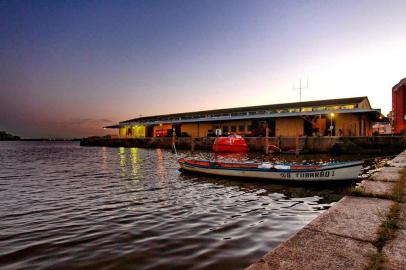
[[41, 140]]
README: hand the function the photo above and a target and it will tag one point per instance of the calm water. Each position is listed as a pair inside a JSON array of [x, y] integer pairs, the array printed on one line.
[[65, 206]]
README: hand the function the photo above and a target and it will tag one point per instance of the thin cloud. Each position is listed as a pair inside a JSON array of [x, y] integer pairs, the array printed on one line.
[[85, 122]]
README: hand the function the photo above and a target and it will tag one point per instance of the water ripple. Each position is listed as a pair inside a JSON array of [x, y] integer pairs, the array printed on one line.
[[63, 206]]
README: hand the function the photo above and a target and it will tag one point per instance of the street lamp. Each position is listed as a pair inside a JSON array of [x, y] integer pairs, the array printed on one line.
[[331, 123]]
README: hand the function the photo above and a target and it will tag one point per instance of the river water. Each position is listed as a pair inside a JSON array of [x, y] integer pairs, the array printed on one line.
[[63, 206]]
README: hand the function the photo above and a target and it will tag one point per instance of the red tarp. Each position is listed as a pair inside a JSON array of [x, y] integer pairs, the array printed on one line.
[[233, 143]]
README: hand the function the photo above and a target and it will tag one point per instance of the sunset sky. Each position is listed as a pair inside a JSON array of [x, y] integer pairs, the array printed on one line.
[[68, 68]]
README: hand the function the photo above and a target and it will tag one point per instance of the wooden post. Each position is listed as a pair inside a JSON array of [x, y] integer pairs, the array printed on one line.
[[174, 141], [320, 134], [266, 141], [193, 144], [297, 145], [215, 148]]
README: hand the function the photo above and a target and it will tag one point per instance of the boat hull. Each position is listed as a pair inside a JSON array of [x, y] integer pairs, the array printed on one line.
[[224, 148], [344, 172]]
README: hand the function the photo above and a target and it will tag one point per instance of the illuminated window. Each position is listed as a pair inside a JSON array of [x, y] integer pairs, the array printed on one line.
[[352, 106], [333, 107]]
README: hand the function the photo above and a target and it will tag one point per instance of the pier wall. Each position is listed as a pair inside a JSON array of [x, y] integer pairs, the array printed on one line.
[[353, 233], [368, 144]]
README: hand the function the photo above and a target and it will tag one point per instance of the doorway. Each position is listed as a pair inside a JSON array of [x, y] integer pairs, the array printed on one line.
[[308, 128]]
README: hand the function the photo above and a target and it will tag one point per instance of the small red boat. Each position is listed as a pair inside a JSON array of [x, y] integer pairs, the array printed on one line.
[[232, 143]]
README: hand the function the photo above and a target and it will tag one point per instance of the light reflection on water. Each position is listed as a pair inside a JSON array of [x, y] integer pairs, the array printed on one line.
[[66, 206]]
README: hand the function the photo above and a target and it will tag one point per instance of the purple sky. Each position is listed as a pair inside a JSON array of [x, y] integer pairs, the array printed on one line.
[[69, 68]]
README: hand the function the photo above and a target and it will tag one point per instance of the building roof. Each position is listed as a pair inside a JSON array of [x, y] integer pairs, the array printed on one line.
[[400, 83], [309, 108], [269, 108], [373, 115]]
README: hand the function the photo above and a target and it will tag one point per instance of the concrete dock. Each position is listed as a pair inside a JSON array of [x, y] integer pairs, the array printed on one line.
[[353, 234], [383, 145]]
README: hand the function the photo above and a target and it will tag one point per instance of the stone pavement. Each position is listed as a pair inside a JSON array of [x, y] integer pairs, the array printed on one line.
[[395, 250], [345, 236]]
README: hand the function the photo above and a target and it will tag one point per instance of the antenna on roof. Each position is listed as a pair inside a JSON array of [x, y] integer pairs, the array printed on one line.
[[300, 88]]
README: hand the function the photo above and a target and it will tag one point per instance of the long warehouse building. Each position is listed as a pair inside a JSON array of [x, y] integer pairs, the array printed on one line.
[[333, 117]]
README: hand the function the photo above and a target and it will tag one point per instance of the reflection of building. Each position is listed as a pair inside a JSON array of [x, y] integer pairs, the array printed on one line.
[[347, 116], [399, 107]]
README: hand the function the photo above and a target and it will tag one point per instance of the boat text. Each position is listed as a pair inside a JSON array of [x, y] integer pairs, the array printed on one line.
[[322, 174]]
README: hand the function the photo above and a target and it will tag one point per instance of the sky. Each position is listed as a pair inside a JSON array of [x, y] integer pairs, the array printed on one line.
[[68, 68]]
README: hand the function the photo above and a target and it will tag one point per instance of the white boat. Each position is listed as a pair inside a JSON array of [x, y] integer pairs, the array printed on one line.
[[337, 171]]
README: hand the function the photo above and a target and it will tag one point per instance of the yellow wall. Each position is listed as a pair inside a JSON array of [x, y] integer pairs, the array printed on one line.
[[351, 125], [196, 130], [138, 131], [122, 131], [320, 124], [204, 128], [132, 131], [289, 127], [191, 129]]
